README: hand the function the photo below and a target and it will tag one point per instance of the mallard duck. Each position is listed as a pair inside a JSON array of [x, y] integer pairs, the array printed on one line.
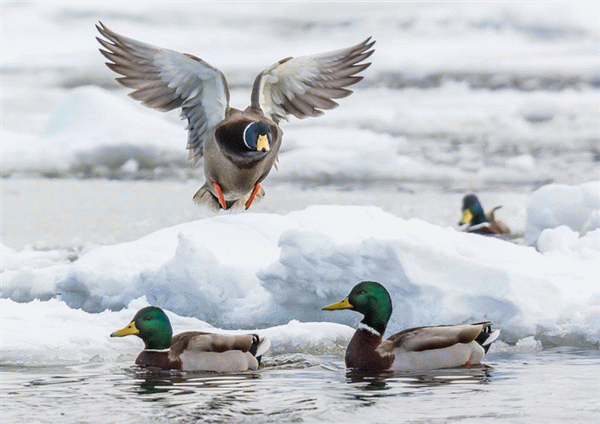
[[239, 147], [191, 350], [445, 346], [478, 221]]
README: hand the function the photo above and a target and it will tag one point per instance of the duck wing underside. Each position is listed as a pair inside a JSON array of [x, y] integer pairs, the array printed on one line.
[[305, 86], [428, 338], [164, 79]]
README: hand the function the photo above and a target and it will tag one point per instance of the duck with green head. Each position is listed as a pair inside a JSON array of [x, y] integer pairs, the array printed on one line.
[[446, 346], [478, 221], [191, 350], [239, 147]]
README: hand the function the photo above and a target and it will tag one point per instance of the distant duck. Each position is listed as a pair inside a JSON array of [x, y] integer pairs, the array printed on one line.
[[239, 147], [421, 348], [478, 221], [192, 350]]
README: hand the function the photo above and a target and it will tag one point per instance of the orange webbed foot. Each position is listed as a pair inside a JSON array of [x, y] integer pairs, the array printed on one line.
[[220, 195], [252, 195]]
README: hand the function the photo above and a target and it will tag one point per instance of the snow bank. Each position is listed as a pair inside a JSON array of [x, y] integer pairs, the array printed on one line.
[[260, 270], [92, 131], [460, 94], [554, 205], [51, 333]]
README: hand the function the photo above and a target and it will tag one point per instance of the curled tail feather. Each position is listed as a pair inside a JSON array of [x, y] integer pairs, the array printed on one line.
[[487, 336]]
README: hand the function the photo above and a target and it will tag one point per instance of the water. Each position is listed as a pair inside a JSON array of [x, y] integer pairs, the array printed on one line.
[[462, 125], [552, 386], [99, 211]]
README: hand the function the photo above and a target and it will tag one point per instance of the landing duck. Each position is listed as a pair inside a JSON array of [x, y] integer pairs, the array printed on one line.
[[239, 147], [422, 348], [478, 221], [191, 350]]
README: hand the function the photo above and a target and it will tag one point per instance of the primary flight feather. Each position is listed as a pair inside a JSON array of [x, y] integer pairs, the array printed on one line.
[[238, 147]]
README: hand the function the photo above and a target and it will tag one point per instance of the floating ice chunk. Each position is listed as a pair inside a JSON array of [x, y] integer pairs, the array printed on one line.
[[551, 206]]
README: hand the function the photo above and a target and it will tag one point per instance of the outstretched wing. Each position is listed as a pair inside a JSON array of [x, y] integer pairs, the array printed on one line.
[[305, 86], [165, 79]]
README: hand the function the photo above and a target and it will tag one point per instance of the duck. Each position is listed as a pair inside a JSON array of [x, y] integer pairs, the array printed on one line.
[[478, 221], [191, 350], [238, 147], [421, 348]]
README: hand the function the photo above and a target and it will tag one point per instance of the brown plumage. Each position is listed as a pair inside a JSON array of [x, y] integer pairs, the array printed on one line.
[[191, 350], [478, 221], [443, 346], [238, 154]]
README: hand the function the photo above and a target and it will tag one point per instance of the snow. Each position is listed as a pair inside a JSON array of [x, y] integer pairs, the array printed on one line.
[[457, 93], [275, 272], [459, 96], [89, 127], [554, 205]]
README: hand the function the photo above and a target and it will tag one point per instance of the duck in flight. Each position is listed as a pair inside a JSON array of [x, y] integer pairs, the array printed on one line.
[[238, 147]]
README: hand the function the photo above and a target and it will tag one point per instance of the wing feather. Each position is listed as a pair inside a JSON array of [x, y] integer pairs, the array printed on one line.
[[165, 79], [305, 86], [427, 338]]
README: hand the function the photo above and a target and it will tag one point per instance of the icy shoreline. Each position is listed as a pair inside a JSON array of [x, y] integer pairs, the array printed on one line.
[[259, 270]]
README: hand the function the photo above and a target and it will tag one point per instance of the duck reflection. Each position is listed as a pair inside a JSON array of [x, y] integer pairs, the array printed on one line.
[[479, 374], [150, 381]]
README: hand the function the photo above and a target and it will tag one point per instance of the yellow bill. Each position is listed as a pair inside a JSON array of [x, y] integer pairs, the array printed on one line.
[[262, 145], [129, 330], [466, 217], [344, 304]]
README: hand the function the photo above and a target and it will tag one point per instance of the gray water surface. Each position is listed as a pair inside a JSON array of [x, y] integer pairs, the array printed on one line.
[[552, 386]]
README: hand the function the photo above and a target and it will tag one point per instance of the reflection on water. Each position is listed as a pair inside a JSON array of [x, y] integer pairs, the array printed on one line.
[[552, 387], [473, 374], [371, 387]]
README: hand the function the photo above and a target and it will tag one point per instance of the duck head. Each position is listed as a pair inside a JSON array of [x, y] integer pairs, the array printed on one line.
[[472, 211], [150, 324], [257, 136], [370, 299]]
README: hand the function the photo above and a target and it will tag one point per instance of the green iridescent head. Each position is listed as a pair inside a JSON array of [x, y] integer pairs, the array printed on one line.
[[472, 211], [370, 299], [150, 324]]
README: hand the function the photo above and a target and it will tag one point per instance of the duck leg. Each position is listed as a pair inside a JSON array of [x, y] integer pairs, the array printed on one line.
[[220, 195], [252, 195]]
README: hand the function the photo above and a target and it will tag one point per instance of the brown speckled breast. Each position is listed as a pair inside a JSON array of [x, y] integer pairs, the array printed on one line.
[[362, 352], [158, 359]]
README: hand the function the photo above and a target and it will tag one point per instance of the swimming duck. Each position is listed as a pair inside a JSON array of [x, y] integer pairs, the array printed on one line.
[[480, 222], [445, 346], [239, 147], [191, 350]]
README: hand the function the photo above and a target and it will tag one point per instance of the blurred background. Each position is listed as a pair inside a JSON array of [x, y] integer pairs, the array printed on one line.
[[496, 98]]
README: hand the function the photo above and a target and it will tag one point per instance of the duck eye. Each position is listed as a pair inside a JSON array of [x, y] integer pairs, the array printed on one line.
[[148, 318]]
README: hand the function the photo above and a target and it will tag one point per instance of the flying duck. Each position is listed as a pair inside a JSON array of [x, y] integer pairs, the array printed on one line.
[[239, 147]]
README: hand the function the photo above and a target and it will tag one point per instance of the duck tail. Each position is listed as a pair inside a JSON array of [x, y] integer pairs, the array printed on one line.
[[487, 335], [204, 197], [491, 213], [259, 346]]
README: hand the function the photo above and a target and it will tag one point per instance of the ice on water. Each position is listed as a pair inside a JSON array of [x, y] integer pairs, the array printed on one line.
[[264, 270], [273, 272]]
